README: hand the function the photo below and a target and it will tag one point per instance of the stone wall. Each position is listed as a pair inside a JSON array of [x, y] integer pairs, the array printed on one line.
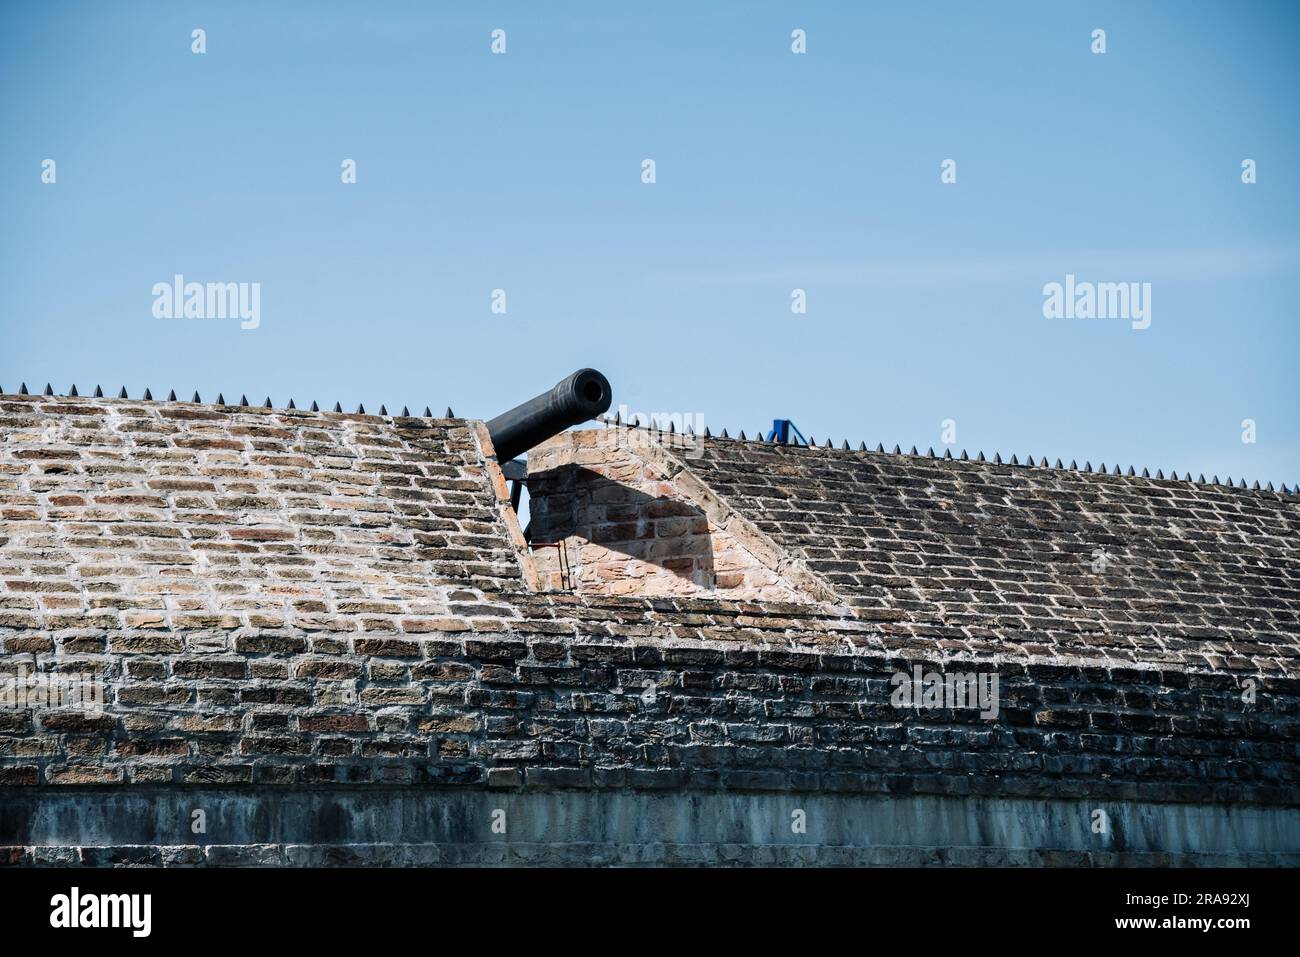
[[278, 602], [536, 704]]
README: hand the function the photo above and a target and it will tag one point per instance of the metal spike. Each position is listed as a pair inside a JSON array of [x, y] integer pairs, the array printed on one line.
[[672, 427], [812, 442], [1146, 474], [932, 455], [1270, 486], [1216, 481], [148, 396], [1159, 474], [338, 407], [947, 454], [1130, 470], [48, 390], [383, 409], [828, 444], [1242, 484], [845, 447], [122, 394], [980, 458], [880, 447], [361, 409], [406, 413], [73, 392], [267, 403], [1201, 480], [690, 429], [428, 413], [171, 395], [1087, 466], [196, 398], [291, 405], [742, 434], [1256, 485], [1285, 490], [1074, 465], [862, 446], [707, 433], [964, 456], [450, 414], [724, 434], [314, 406], [1116, 472], [897, 450], [243, 401], [22, 389], [997, 458], [99, 393], [1174, 475], [1014, 460], [1058, 464], [913, 452], [1102, 470]]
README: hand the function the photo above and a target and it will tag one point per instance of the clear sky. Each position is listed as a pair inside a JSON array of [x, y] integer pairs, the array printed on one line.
[[774, 171]]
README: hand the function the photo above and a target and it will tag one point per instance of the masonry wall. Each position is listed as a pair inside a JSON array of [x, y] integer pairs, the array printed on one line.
[[280, 603], [123, 516], [537, 704]]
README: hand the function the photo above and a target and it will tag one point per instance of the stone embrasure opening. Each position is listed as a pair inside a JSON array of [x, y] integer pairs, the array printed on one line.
[[607, 517]]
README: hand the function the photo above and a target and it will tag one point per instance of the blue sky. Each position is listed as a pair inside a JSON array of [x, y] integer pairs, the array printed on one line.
[[775, 171]]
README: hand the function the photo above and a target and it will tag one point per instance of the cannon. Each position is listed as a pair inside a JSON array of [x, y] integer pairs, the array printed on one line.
[[574, 400]]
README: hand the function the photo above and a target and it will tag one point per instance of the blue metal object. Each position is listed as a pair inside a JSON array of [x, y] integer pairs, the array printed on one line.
[[781, 429]]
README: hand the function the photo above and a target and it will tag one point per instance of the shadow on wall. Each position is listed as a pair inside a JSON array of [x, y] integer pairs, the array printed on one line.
[[591, 532]]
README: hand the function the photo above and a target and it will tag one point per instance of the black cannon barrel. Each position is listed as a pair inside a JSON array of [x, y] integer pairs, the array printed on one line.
[[575, 399]]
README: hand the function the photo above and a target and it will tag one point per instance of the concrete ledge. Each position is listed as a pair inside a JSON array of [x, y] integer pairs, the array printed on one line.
[[605, 855], [393, 826]]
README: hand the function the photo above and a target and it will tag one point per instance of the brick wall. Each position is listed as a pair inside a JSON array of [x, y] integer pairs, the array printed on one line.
[[538, 704], [123, 515], [298, 600]]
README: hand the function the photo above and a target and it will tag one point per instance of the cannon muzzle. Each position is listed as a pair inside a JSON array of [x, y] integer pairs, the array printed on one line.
[[576, 399]]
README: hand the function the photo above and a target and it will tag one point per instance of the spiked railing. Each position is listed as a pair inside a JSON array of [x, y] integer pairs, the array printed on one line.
[[862, 449], [616, 421]]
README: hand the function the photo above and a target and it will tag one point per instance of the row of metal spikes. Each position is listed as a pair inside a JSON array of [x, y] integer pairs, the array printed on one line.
[[997, 457], [221, 400]]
